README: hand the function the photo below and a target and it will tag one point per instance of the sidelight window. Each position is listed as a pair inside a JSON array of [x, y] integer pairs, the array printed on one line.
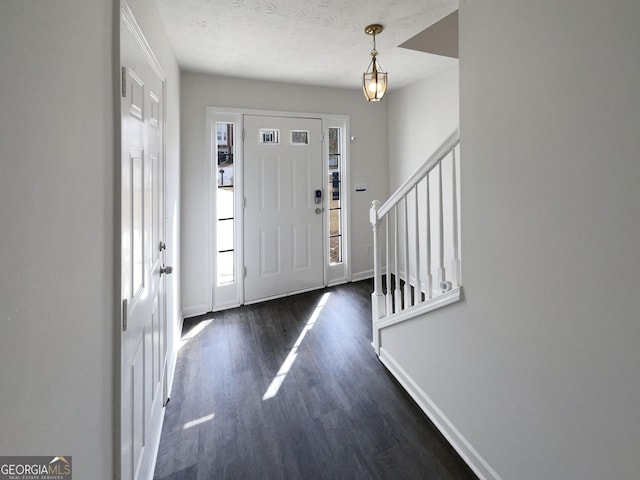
[[225, 221], [335, 200]]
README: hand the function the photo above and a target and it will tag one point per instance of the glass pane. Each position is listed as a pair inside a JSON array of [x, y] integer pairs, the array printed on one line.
[[334, 222], [335, 249], [225, 267], [225, 235], [334, 141], [299, 137], [269, 135], [224, 202], [225, 240], [335, 194], [224, 145], [334, 190]]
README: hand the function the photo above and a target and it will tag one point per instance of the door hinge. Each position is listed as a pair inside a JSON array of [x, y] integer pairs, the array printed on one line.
[[244, 202], [125, 314], [124, 82], [244, 272]]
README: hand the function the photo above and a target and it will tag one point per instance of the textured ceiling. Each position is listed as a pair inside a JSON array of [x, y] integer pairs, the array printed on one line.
[[315, 42]]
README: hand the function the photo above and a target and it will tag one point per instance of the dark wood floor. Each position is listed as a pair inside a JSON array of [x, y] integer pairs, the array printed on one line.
[[338, 414]]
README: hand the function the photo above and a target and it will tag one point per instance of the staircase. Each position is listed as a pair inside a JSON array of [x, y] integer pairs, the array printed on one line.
[[416, 242]]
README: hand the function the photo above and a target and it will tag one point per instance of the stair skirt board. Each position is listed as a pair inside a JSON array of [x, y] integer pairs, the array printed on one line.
[[472, 458], [447, 298]]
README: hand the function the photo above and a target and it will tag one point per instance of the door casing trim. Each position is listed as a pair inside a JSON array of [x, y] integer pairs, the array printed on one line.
[[216, 113]]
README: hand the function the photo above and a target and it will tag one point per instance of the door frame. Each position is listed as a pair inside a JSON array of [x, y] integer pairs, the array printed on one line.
[[333, 274]]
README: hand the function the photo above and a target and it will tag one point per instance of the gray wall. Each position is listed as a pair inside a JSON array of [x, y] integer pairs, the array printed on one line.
[[58, 305], [57, 232], [368, 158], [421, 117], [538, 366]]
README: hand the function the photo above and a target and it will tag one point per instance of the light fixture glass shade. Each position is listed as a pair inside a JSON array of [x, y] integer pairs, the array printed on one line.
[[374, 82]]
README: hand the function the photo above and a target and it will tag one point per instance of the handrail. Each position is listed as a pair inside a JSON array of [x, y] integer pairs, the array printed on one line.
[[404, 270], [433, 160]]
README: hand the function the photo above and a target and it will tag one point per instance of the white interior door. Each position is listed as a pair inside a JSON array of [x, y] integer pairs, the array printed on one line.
[[283, 216], [143, 340]]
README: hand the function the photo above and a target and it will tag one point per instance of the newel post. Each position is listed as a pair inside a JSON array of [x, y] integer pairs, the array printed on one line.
[[377, 297]]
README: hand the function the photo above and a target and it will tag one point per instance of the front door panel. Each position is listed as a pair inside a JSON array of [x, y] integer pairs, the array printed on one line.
[[282, 221]]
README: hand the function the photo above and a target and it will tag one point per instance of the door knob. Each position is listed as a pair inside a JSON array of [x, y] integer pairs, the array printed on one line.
[[318, 211], [166, 270]]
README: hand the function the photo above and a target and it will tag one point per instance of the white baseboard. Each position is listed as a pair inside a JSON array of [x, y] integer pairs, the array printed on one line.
[[194, 311], [175, 348], [356, 277], [471, 457], [225, 306]]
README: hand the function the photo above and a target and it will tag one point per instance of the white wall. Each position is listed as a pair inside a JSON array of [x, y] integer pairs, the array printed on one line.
[[368, 159], [538, 366], [59, 320], [57, 222], [421, 117]]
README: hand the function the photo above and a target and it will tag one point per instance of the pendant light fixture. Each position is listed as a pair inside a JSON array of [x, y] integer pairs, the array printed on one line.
[[374, 80]]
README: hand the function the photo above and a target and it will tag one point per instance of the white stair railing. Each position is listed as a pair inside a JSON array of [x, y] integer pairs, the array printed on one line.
[[419, 224]]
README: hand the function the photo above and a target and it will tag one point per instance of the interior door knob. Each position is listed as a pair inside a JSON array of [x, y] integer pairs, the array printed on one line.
[[166, 270]]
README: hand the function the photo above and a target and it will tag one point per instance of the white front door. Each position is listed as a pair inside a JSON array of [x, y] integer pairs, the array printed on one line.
[[143, 339], [283, 188]]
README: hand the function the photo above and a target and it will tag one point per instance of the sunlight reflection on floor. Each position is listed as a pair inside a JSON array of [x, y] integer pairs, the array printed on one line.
[[277, 381], [198, 421], [193, 333]]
